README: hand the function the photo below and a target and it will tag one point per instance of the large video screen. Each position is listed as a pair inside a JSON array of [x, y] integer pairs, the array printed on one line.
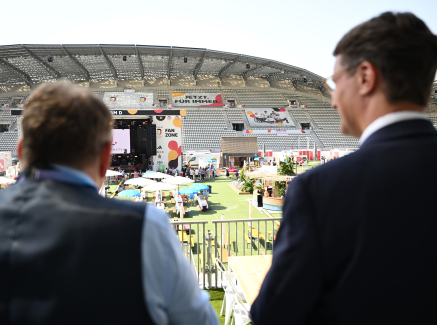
[[268, 117], [120, 141]]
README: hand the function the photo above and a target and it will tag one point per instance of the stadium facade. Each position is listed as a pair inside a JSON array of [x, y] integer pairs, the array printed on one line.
[[215, 94]]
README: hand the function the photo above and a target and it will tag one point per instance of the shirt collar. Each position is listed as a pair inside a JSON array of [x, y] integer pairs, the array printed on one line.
[[80, 176], [388, 119]]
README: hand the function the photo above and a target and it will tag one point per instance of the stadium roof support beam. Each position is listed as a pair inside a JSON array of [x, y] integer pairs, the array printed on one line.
[[19, 73], [198, 66], [78, 64], [170, 60], [110, 65], [246, 73], [271, 76], [140, 65], [45, 65], [225, 69]]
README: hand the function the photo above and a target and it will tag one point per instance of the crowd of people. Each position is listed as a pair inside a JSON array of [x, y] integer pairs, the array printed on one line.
[[200, 174]]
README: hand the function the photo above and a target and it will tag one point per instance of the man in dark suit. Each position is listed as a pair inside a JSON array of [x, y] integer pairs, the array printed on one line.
[[358, 241]]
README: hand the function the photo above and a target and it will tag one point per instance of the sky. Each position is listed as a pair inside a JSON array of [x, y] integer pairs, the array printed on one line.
[[301, 33]]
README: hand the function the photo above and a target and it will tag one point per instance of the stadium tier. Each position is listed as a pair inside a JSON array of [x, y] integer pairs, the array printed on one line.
[[250, 96]]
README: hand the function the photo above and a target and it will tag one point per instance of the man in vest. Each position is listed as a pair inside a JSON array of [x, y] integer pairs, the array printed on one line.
[[70, 256]]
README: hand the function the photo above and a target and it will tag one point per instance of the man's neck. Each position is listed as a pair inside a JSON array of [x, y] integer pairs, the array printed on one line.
[[380, 107]]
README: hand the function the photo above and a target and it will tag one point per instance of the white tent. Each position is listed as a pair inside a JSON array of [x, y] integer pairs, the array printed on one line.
[[5, 180], [112, 173], [156, 175], [139, 182], [159, 187], [177, 180]]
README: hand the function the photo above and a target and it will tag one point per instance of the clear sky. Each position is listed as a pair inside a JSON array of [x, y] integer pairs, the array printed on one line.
[[298, 32]]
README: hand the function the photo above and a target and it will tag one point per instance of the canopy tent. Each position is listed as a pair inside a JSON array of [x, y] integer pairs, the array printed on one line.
[[199, 187], [156, 175], [112, 173], [139, 182], [159, 187], [188, 191], [177, 180], [5, 180], [130, 193]]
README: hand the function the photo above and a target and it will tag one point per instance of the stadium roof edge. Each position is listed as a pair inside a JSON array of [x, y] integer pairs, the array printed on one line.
[[43, 62]]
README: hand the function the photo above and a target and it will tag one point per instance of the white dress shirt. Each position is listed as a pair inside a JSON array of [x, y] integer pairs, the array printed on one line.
[[388, 119]]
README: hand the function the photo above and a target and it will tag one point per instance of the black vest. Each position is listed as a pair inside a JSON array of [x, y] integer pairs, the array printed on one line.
[[69, 256]]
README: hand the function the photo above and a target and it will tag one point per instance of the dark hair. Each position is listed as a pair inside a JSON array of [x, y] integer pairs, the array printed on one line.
[[401, 47], [64, 124]]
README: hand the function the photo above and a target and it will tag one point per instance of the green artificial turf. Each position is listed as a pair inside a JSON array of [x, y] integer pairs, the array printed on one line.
[[216, 299]]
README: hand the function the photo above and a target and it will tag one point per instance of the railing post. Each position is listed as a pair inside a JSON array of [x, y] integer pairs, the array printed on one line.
[[209, 267]]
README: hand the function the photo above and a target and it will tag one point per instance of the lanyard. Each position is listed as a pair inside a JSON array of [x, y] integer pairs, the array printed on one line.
[[65, 177]]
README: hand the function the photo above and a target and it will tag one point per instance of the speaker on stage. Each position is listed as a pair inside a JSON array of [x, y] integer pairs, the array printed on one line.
[[142, 140], [143, 163], [151, 139]]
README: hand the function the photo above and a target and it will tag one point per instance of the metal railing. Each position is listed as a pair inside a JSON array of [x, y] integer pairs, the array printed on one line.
[[203, 241]]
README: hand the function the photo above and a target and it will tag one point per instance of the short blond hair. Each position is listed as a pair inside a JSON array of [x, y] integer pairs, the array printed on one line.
[[64, 124]]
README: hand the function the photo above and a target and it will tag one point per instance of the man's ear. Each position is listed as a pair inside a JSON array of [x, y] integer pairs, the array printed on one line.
[[20, 149], [367, 78], [105, 159]]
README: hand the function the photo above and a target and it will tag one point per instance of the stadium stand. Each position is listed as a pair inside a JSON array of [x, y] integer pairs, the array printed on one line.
[[255, 99], [8, 141], [283, 142], [203, 129], [242, 80]]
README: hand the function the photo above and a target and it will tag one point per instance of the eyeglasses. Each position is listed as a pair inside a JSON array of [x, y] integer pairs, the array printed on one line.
[[329, 83]]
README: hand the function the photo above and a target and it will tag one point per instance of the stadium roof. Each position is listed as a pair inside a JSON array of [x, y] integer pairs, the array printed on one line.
[[32, 64]]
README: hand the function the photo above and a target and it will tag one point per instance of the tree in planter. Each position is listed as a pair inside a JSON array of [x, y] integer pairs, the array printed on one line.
[[241, 178], [258, 187], [281, 188], [248, 185], [286, 168]]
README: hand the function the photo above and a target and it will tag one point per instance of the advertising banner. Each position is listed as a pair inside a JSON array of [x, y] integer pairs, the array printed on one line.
[[2, 165], [118, 99], [140, 112], [268, 116], [168, 142], [147, 112], [120, 141], [277, 132], [197, 99]]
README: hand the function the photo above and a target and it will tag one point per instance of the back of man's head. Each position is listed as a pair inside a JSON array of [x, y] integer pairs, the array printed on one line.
[[401, 47], [64, 124]]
